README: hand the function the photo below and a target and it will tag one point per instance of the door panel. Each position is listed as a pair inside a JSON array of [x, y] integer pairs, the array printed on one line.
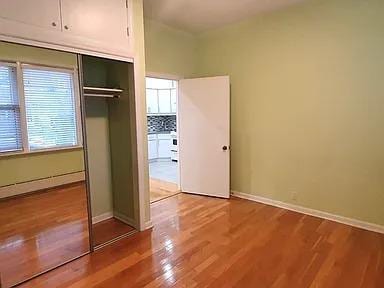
[[41, 13], [204, 121], [96, 19]]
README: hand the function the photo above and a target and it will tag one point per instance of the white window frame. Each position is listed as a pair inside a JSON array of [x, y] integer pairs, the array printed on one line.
[[23, 117]]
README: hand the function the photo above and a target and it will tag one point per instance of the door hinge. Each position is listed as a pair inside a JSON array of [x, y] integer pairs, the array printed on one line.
[[127, 31], [126, 3]]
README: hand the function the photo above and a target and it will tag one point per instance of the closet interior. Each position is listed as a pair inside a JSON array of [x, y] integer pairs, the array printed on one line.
[[109, 135]]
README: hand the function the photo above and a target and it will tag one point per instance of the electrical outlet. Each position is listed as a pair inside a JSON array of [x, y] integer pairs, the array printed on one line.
[[294, 195]]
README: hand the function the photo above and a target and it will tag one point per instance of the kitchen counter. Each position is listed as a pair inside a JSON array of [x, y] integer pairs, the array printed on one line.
[[160, 132]]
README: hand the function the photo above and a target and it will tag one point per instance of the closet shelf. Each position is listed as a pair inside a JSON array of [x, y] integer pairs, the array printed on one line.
[[102, 92]]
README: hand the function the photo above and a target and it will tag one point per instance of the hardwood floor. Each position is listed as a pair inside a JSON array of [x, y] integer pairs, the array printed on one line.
[[109, 229], [42, 230], [161, 189], [207, 242]]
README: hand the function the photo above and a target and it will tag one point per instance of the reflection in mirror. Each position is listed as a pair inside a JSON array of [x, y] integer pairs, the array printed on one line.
[[43, 200], [108, 137]]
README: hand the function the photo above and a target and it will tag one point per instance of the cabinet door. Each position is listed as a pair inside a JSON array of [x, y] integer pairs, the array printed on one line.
[[99, 20], [173, 101], [152, 149], [165, 101], [152, 102], [164, 148], [40, 13]]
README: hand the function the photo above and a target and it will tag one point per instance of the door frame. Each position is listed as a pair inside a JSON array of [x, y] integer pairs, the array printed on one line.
[[177, 78]]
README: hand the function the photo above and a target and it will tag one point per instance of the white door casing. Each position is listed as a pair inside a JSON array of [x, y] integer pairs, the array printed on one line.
[[204, 135]]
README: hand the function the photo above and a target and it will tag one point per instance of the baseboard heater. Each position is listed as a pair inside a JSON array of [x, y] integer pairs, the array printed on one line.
[[39, 184]]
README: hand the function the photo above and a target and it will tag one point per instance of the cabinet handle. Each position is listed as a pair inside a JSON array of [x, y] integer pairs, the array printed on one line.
[[54, 24], [66, 27]]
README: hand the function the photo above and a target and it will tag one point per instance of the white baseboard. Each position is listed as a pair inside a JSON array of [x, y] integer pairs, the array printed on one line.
[[316, 213], [147, 225], [35, 185], [102, 217], [125, 219]]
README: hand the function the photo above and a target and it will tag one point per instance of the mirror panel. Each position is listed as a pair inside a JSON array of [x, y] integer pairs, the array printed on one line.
[[43, 198]]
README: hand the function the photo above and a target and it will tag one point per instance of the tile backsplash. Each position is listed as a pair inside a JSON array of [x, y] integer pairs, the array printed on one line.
[[161, 123]]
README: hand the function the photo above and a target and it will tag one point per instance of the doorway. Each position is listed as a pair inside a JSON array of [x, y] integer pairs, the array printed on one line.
[[161, 96]]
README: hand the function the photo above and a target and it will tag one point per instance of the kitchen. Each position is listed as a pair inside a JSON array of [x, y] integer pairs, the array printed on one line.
[[161, 96]]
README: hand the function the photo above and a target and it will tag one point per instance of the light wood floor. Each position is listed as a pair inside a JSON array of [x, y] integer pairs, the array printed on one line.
[[42, 230], [161, 189], [207, 242], [109, 229]]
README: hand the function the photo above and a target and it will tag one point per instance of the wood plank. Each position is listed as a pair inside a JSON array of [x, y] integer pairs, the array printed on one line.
[[108, 230], [207, 242], [42, 230], [160, 189]]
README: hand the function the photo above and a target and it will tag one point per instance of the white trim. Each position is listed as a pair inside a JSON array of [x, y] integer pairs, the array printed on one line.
[[312, 212], [23, 111], [102, 217], [125, 219], [141, 146], [163, 76], [44, 67], [18, 40], [148, 225], [32, 186]]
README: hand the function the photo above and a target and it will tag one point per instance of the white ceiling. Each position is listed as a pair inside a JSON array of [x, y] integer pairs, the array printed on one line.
[[199, 15]]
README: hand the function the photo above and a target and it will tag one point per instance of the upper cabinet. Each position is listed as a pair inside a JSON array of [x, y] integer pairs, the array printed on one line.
[[164, 101], [161, 96], [173, 101], [98, 20], [30, 13], [91, 25]]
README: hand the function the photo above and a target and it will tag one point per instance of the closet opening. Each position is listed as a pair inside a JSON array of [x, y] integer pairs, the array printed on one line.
[[110, 156], [163, 148]]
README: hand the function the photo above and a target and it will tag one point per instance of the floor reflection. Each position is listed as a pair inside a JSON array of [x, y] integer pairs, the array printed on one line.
[[41, 231]]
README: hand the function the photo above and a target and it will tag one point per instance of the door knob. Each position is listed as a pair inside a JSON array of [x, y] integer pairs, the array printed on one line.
[[225, 148]]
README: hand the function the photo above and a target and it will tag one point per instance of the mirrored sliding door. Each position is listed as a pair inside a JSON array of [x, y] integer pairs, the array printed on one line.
[[43, 198]]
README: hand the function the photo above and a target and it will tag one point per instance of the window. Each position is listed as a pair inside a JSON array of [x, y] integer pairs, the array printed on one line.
[[49, 105], [50, 108], [10, 132]]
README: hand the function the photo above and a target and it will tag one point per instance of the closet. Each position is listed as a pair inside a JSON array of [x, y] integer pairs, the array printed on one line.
[[109, 133]]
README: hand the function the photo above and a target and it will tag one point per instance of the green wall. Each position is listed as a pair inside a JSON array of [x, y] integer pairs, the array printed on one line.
[[28, 167], [98, 147], [168, 50], [307, 110]]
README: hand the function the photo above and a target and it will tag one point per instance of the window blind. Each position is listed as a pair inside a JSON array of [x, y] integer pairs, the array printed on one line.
[[10, 131], [50, 108]]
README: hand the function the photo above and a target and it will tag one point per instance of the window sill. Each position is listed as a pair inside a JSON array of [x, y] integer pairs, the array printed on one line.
[[43, 151]]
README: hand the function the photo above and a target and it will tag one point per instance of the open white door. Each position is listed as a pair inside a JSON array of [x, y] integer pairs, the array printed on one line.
[[204, 127]]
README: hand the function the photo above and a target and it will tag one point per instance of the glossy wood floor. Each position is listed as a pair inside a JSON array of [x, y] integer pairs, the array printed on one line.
[[108, 230], [208, 242], [162, 189], [42, 230]]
